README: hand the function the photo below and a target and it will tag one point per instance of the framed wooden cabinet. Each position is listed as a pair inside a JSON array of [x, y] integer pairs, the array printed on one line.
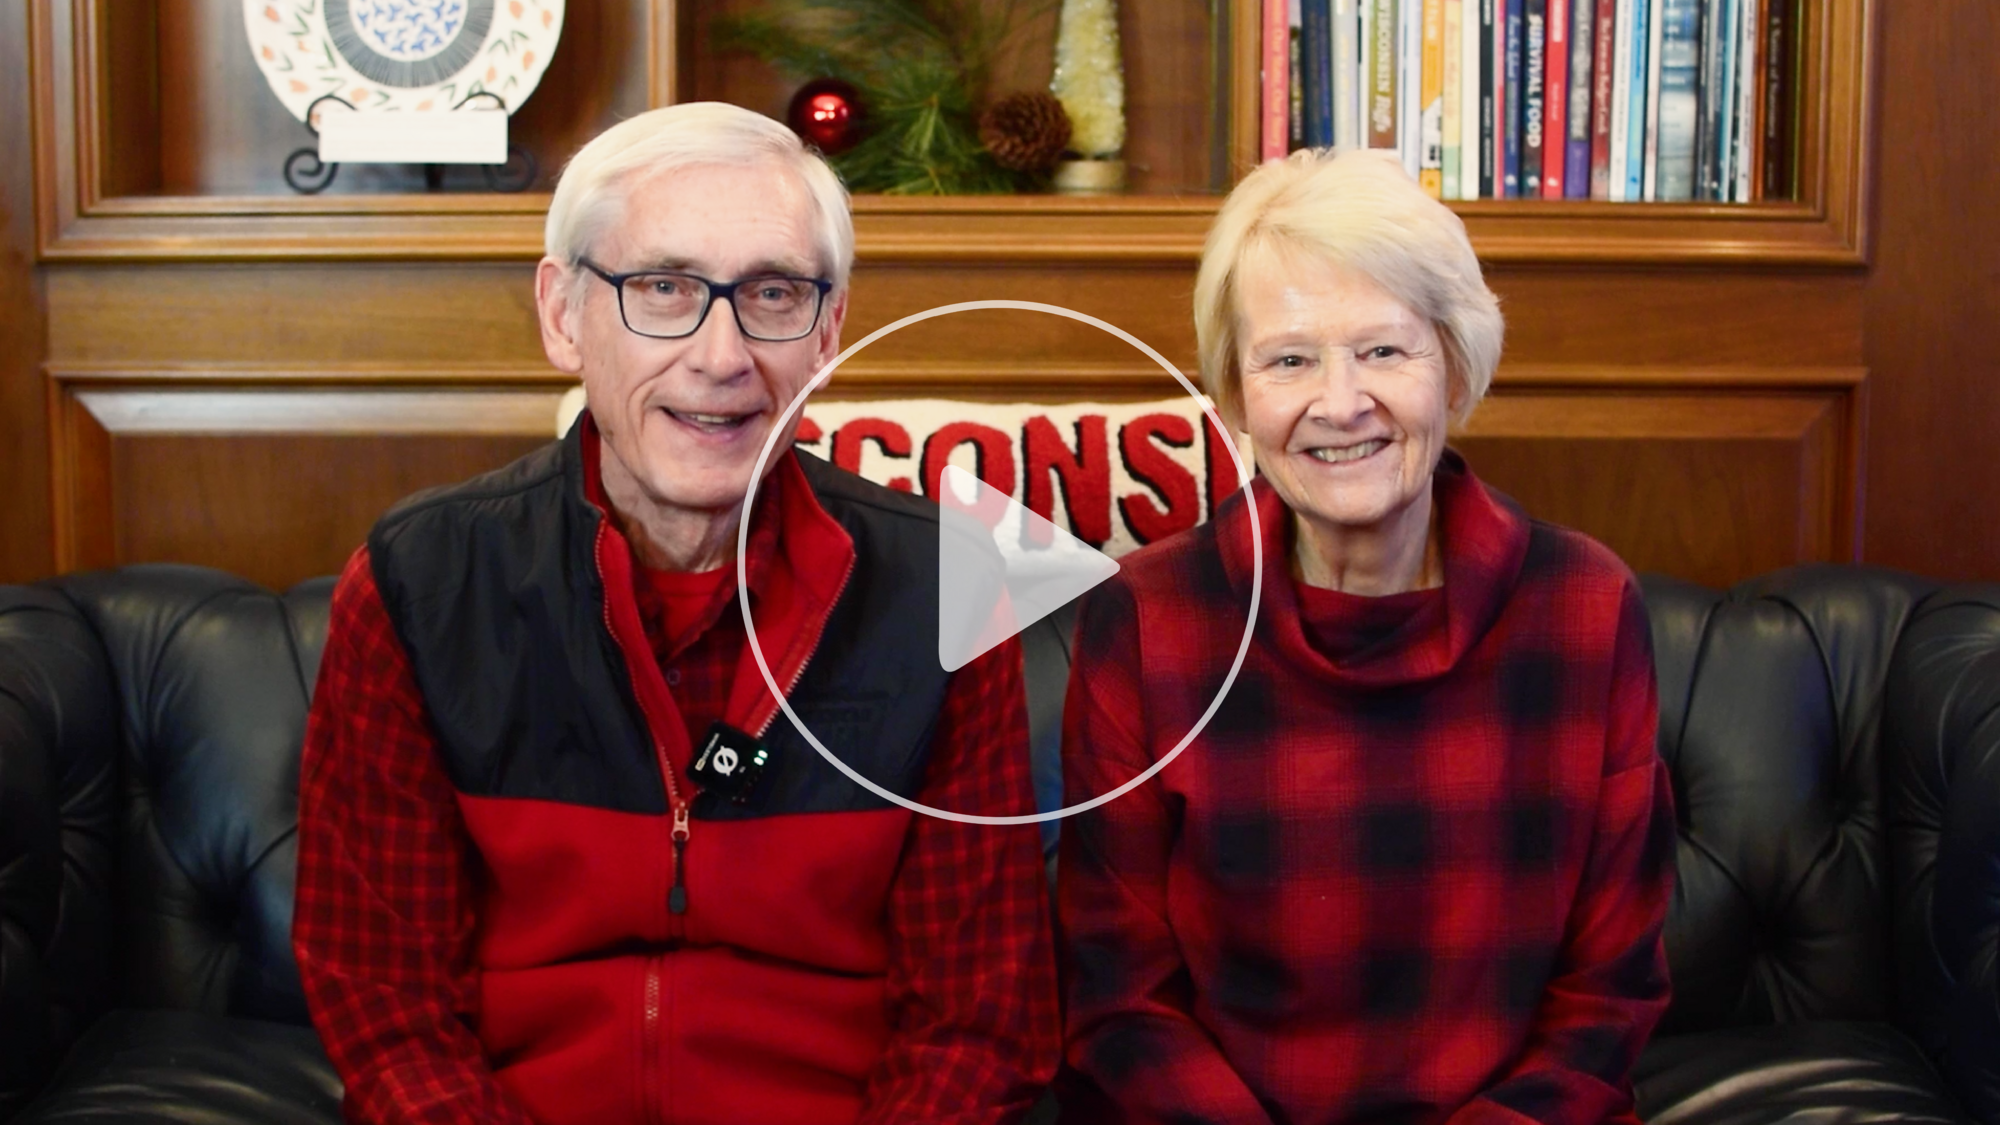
[[240, 375], [158, 141]]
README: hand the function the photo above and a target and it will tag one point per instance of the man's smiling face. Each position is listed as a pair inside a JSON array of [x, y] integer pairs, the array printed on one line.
[[685, 418]]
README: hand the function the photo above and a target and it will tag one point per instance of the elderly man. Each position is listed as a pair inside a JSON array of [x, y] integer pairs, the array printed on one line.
[[557, 861]]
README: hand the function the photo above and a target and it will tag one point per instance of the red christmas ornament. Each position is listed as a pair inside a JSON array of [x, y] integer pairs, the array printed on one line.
[[827, 113]]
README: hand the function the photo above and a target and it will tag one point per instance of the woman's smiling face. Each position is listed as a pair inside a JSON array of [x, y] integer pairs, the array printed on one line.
[[1346, 396]]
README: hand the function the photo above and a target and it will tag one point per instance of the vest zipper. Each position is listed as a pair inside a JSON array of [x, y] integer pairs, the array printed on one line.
[[677, 898], [683, 827], [650, 1067]]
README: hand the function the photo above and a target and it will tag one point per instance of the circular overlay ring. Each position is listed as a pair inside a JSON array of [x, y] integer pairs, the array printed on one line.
[[743, 573], [414, 55]]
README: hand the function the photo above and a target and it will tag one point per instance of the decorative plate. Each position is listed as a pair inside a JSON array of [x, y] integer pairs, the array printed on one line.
[[402, 54]]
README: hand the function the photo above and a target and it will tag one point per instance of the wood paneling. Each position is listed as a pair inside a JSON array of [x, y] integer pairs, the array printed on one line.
[[247, 377], [1711, 487], [274, 483], [1710, 474], [1933, 302], [480, 315], [25, 530], [278, 509]]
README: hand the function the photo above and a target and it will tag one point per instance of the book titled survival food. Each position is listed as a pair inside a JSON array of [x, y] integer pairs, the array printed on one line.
[[1615, 100]]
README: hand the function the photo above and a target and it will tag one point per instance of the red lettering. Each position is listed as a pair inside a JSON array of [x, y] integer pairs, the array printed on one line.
[[1083, 474], [890, 437], [1156, 469], [808, 433], [994, 462]]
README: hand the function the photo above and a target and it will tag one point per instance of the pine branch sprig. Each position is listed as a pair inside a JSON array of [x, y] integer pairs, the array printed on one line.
[[921, 67]]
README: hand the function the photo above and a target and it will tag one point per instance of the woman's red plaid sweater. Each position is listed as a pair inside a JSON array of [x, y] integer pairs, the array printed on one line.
[[1421, 878]]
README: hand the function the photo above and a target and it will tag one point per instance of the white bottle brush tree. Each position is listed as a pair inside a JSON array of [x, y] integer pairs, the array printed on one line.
[[1090, 78]]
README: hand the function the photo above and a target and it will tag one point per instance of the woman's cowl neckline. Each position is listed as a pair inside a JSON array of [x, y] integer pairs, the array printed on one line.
[[1483, 545]]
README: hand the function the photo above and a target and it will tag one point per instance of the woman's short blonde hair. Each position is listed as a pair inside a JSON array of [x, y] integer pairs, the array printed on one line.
[[1358, 210], [591, 194]]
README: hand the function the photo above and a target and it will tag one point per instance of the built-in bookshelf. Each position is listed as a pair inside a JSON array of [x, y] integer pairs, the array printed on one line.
[[246, 377], [1616, 101], [157, 141]]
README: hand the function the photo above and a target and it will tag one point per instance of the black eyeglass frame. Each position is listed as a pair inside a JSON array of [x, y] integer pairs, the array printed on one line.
[[716, 291]]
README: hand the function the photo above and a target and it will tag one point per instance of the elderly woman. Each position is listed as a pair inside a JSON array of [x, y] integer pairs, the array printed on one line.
[[1417, 865]]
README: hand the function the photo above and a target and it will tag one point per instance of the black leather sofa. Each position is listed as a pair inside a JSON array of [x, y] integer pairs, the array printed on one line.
[[1834, 736]]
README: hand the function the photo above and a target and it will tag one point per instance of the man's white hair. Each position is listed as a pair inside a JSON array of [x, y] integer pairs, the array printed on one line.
[[591, 195], [1358, 210]]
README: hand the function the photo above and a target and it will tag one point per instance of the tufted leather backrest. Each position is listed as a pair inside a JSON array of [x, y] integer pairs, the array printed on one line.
[[213, 678], [1819, 722], [58, 809], [1943, 781], [1770, 721]]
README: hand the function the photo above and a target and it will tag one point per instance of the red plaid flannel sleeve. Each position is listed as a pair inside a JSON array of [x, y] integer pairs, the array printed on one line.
[[1610, 987], [972, 975], [1113, 884], [385, 908]]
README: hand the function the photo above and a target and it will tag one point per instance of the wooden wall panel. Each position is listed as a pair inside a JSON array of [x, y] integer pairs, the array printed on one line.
[[481, 314], [276, 484], [1712, 488], [1933, 301], [25, 530], [278, 509], [1713, 475]]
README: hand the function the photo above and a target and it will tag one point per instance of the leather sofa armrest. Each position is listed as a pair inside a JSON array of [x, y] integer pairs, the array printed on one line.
[[1942, 729], [58, 754]]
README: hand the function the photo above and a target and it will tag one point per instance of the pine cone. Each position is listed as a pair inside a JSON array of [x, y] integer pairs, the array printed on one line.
[[1026, 132]]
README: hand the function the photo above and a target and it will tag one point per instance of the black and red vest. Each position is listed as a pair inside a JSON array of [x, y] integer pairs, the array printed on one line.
[[766, 999]]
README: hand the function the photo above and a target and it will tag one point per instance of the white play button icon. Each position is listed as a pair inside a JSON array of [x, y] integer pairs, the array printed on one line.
[[1001, 568]]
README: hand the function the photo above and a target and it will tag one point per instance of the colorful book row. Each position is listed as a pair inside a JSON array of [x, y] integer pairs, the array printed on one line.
[[1617, 100]]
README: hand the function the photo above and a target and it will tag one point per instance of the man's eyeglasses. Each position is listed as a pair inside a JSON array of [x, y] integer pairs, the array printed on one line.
[[666, 305]]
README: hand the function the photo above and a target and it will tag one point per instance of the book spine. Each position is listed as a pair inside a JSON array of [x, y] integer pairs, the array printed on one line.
[[1603, 92], [1796, 102], [1468, 98], [1409, 85], [1534, 39], [1621, 99], [1513, 96], [1582, 85], [1382, 76], [1656, 18], [1492, 85], [1780, 24], [1555, 98], [1297, 88], [1717, 106], [1707, 84], [1316, 35], [1725, 104], [1749, 89], [1454, 99], [1430, 109], [1641, 94], [1346, 74], [1276, 127], [1760, 31], [1679, 109], [1364, 72]]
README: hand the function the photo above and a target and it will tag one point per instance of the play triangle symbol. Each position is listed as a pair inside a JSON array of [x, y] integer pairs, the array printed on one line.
[[1001, 568]]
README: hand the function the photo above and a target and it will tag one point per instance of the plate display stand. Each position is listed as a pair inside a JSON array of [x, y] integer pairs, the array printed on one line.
[[307, 174]]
